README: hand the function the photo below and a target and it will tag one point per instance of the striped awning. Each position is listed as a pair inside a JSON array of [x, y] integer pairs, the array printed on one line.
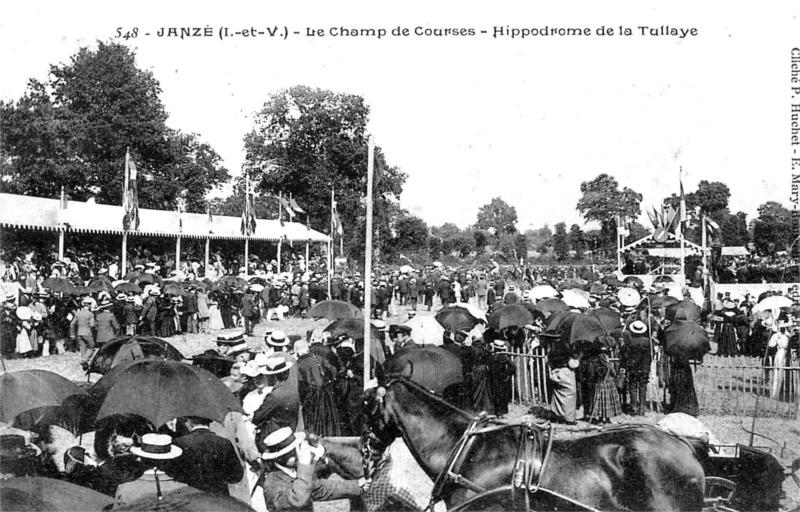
[[25, 212]]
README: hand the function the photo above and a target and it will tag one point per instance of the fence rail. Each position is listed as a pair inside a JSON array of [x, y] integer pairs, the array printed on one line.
[[738, 386]]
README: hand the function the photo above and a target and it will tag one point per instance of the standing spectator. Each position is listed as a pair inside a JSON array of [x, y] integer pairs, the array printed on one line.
[[156, 451], [316, 377], [635, 363], [501, 370], [413, 293], [402, 289], [445, 291], [250, 312], [190, 309], [149, 314], [82, 325], [481, 288], [599, 374], [281, 406], [203, 310], [130, 313], [107, 324], [564, 398]]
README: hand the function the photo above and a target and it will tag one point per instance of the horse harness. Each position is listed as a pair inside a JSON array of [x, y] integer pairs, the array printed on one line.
[[530, 463]]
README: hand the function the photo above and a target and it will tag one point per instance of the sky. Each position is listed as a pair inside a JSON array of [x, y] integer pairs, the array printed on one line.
[[469, 118]]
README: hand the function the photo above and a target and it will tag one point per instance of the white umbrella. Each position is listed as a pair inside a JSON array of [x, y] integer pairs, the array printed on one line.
[[574, 300], [474, 311], [773, 303], [425, 330], [543, 292], [578, 291], [406, 269]]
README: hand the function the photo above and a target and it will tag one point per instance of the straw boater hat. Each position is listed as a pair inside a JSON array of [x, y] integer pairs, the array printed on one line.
[[638, 327], [380, 325], [277, 339], [729, 304], [281, 442], [499, 345], [256, 366], [233, 342], [276, 365], [157, 446]]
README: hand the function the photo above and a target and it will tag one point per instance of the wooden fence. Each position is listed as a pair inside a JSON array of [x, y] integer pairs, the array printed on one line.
[[725, 386]]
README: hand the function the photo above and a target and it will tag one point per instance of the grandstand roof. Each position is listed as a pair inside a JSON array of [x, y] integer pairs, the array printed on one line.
[[41, 213]]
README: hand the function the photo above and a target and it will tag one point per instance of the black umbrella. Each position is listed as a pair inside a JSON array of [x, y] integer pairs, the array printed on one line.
[[131, 348], [234, 282], [160, 390], [258, 280], [146, 278], [663, 279], [663, 301], [683, 310], [454, 318], [128, 288], [588, 328], [685, 339], [633, 280], [26, 390], [509, 316], [550, 306], [333, 310], [58, 284], [434, 368], [34, 493], [354, 327], [100, 285]]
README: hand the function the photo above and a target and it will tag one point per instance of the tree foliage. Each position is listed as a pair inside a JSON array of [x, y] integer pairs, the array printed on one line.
[[561, 242], [772, 230], [306, 142], [74, 129], [497, 216], [577, 240], [603, 202], [411, 233]]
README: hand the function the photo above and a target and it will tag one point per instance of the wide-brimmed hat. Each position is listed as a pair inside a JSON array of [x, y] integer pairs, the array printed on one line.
[[398, 328], [157, 446], [380, 325], [256, 366], [232, 342], [276, 365], [729, 304], [499, 345], [281, 442], [277, 339], [638, 327], [24, 313]]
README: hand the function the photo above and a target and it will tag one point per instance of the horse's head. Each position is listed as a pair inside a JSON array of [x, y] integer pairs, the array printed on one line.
[[380, 422]]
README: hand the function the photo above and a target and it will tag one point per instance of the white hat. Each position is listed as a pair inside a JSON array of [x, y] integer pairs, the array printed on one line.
[[277, 339], [380, 325], [281, 442], [157, 446], [24, 313], [276, 365], [638, 327], [256, 366]]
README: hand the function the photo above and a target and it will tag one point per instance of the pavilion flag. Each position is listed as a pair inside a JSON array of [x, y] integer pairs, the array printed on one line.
[[683, 199], [622, 227], [248, 212], [130, 197], [336, 222], [295, 206], [287, 206], [180, 207], [210, 218]]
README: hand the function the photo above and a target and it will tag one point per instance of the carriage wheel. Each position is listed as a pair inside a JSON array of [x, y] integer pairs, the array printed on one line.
[[719, 492]]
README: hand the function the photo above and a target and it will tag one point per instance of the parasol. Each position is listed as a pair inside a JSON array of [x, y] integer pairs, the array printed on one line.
[[687, 340], [425, 330], [26, 390], [128, 288], [628, 297], [160, 390], [773, 303], [333, 310], [509, 316], [543, 292], [633, 280], [130, 348], [434, 368], [574, 300], [588, 327], [683, 310], [58, 284], [145, 278], [406, 269], [34, 493], [354, 327], [550, 306], [455, 318], [233, 281]]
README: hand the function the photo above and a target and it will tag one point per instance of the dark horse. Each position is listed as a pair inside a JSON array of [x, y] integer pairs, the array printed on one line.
[[622, 468]]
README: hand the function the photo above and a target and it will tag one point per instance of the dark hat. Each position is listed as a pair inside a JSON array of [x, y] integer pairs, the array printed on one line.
[[397, 329], [13, 447]]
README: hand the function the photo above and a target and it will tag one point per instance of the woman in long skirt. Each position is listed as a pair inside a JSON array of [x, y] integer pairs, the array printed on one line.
[[728, 344], [214, 316], [683, 397], [605, 399], [315, 379]]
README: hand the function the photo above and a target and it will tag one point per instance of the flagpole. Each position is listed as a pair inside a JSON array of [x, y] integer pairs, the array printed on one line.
[[246, 221], [61, 232], [619, 249], [330, 247], [280, 221], [368, 264], [308, 233], [680, 229], [705, 256], [124, 269]]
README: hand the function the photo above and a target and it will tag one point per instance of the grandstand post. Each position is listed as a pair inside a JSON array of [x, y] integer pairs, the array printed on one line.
[[208, 253], [178, 254], [124, 269], [368, 264], [247, 253]]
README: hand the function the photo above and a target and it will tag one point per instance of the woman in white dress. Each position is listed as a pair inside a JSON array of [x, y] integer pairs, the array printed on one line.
[[215, 317], [779, 340]]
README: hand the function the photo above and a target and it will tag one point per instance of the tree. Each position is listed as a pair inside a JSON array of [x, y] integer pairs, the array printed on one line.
[[772, 230], [603, 202], [482, 239], [498, 216], [540, 239], [576, 240], [446, 230], [711, 197], [74, 130], [412, 233], [521, 245], [306, 142], [561, 242]]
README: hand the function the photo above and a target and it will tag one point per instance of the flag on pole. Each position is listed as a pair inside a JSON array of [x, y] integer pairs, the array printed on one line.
[[210, 218], [622, 227], [180, 207], [130, 196], [287, 206], [248, 211], [295, 206], [335, 220]]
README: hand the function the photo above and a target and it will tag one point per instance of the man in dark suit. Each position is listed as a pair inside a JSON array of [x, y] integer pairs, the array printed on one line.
[[281, 407], [208, 462], [401, 336], [249, 312]]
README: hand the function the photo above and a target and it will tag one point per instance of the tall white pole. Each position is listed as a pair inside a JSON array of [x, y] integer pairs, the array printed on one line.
[[61, 235], [705, 256], [330, 247], [178, 254], [368, 264], [280, 214], [124, 269], [208, 254], [308, 233], [246, 253]]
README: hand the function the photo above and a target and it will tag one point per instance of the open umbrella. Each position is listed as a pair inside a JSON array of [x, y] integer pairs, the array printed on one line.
[[550, 306], [434, 368], [509, 316], [686, 339], [574, 300], [543, 292], [160, 390], [130, 348], [773, 303], [333, 310], [233, 281], [663, 279], [608, 317], [559, 325], [26, 390], [633, 280], [257, 280], [612, 280], [34, 493], [406, 269], [173, 289], [58, 284], [354, 327], [588, 328], [146, 278], [454, 318], [683, 310], [663, 301], [628, 297], [187, 499], [128, 288], [425, 330]]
